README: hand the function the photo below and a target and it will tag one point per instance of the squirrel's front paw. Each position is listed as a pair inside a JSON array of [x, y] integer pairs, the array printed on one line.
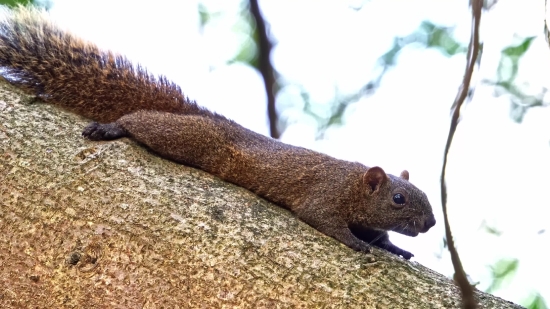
[[103, 131], [406, 255], [398, 251]]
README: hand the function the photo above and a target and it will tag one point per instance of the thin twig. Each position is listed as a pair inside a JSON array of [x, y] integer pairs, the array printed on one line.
[[468, 299], [265, 67]]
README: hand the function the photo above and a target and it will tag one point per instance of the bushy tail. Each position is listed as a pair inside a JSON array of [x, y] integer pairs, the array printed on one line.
[[62, 69]]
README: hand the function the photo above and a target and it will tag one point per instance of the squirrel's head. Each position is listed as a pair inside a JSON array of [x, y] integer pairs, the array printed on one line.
[[396, 204]]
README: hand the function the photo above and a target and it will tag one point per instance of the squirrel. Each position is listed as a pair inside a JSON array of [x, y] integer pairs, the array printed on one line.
[[355, 204]]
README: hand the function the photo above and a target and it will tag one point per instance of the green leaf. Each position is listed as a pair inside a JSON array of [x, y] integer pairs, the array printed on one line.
[[441, 38], [537, 302], [491, 229], [509, 60], [520, 100], [518, 50], [502, 272], [204, 15], [13, 3]]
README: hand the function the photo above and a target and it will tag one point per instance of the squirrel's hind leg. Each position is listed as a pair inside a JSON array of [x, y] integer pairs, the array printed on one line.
[[104, 131]]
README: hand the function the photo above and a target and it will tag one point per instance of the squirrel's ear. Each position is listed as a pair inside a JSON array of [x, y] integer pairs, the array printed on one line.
[[374, 177], [405, 175]]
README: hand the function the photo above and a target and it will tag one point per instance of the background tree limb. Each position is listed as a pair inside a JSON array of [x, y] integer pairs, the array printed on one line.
[[469, 300], [265, 67]]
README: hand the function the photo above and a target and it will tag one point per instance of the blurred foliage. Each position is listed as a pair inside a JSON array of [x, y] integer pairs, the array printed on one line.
[[249, 50], [502, 273], [506, 83], [42, 3], [433, 36], [427, 35], [244, 27], [536, 302], [490, 229], [204, 15], [15, 2]]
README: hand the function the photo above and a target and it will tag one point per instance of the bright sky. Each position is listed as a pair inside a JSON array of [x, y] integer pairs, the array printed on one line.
[[497, 170]]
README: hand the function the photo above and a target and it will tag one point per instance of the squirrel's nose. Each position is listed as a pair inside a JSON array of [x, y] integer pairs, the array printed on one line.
[[428, 223]]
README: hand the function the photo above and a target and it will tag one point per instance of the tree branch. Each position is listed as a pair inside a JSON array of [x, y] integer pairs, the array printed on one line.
[[469, 301], [265, 67]]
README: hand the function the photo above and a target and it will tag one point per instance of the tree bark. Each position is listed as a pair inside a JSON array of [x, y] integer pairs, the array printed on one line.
[[109, 225]]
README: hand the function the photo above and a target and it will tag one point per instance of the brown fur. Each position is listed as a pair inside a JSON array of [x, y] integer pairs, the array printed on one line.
[[346, 200]]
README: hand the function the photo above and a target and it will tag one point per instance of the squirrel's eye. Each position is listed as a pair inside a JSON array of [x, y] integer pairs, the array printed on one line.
[[399, 199]]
